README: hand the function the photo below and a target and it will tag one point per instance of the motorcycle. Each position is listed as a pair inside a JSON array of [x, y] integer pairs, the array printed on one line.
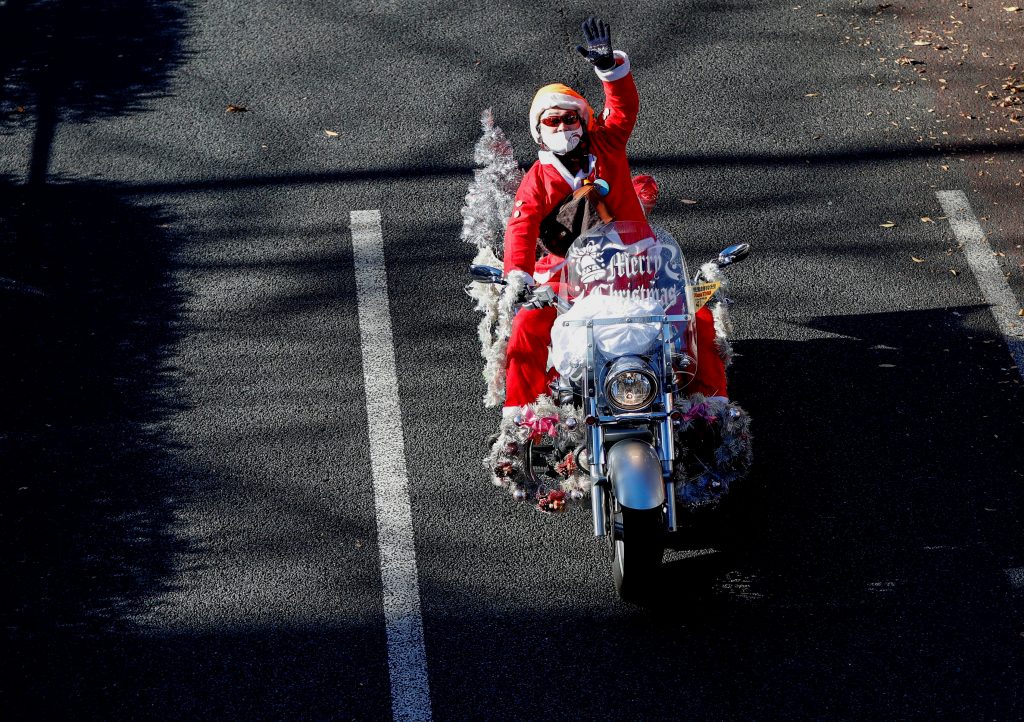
[[617, 423]]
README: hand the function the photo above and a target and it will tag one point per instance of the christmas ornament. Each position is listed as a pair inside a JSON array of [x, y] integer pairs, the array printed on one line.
[[539, 425], [553, 502], [517, 436]]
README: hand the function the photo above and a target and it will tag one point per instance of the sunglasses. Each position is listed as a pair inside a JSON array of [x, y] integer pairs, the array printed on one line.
[[553, 121]]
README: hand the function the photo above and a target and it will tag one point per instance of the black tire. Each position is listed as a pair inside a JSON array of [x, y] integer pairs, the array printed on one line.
[[638, 544]]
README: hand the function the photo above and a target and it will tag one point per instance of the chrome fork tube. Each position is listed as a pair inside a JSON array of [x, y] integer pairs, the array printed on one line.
[[670, 505], [668, 436], [597, 508], [597, 474]]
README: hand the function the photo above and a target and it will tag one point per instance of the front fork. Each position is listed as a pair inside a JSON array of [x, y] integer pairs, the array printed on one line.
[[598, 472], [666, 447]]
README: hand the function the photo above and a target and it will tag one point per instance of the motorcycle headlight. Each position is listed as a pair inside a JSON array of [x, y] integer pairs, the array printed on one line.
[[630, 385]]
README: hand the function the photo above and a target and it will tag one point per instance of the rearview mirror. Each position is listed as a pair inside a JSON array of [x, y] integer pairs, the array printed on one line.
[[486, 274], [733, 254]]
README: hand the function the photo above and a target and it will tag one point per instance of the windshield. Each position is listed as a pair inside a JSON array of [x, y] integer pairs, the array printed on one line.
[[629, 271], [629, 260]]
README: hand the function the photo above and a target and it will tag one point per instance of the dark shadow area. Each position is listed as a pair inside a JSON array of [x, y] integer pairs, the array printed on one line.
[[877, 577], [880, 576], [247, 673], [114, 609], [89, 314], [63, 61]]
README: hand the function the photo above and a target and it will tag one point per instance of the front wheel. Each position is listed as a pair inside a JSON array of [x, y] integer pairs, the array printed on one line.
[[638, 543]]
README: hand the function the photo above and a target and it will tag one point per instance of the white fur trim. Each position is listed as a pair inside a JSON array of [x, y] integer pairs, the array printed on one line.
[[546, 157], [619, 71], [518, 279]]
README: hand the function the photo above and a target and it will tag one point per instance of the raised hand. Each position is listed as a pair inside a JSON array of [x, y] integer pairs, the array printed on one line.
[[597, 35]]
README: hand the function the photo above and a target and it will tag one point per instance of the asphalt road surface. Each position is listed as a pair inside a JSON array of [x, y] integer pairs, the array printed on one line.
[[188, 512]]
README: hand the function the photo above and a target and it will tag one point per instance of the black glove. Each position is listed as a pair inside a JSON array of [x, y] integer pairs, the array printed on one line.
[[598, 49]]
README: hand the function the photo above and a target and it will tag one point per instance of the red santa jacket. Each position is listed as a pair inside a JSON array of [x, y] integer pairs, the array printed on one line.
[[547, 182]]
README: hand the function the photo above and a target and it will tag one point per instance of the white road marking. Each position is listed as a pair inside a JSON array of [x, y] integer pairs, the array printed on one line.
[[980, 258], [407, 660]]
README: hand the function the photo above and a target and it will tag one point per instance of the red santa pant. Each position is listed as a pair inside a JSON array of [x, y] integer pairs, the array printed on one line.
[[527, 376]]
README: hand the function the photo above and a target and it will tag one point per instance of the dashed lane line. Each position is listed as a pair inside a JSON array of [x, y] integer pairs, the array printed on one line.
[[982, 260], [407, 661]]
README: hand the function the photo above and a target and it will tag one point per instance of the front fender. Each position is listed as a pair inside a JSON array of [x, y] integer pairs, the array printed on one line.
[[634, 471]]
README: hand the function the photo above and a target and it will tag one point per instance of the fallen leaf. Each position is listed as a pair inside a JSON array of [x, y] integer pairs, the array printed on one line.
[[888, 224], [232, 108], [954, 272], [922, 42], [926, 219], [689, 202], [330, 133], [20, 109], [1012, 9], [908, 61], [811, 95], [1021, 313], [915, 259]]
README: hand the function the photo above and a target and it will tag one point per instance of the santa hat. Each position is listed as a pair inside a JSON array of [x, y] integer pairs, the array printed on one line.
[[557, 95]]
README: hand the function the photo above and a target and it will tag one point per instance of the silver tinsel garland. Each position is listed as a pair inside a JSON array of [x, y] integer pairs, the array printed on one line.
[[702, 482], [506, 459], [720, 312], [486, 210]]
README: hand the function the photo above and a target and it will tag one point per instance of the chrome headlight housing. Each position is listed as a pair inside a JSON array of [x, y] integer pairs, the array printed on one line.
[[630, 384]]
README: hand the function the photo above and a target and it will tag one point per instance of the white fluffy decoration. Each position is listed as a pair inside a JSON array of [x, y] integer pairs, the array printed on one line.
[[569, 343], [484, 216], [720, 312]]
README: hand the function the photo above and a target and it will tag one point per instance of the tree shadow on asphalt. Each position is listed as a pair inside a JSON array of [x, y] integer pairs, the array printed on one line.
[[95, 484], [91, 313], [75, 61]]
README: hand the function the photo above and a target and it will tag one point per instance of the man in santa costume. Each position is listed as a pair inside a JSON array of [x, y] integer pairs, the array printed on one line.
[[579, 148]]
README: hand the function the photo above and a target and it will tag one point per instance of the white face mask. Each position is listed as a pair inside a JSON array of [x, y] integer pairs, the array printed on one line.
[[560, 141]]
